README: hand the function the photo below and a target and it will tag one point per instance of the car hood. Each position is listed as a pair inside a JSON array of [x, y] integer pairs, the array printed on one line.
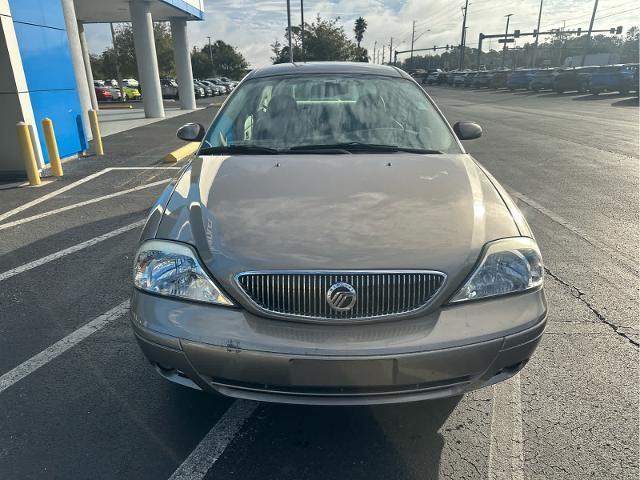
[[336, 212]]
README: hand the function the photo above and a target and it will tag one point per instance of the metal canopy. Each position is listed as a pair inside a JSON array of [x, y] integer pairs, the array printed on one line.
[[104, 11]]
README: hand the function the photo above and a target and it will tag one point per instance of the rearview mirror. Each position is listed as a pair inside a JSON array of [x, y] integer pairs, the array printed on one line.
[[191, 132], [467, 130]]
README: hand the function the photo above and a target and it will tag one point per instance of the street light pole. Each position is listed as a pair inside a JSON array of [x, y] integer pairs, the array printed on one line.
[[375, 44], [210, 53], [506, 32], [302, 28], [289, 30], [462, 38], [593, 18], [413, 36], [535, 44]]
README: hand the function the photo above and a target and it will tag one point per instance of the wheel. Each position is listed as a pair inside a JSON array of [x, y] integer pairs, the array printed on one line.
[[595, 91], [125, 98]]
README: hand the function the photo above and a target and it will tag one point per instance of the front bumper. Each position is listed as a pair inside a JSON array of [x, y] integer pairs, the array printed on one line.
[[237, 354]]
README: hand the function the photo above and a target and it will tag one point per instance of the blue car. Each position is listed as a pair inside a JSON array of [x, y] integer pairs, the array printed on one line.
[[613, 78], [520, 79]]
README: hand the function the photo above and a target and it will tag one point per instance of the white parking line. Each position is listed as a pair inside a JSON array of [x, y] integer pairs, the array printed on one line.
[[506, 452], [66, 188], [566, 224], [68, 251], [4, 226], [34, 363], [214, 443]]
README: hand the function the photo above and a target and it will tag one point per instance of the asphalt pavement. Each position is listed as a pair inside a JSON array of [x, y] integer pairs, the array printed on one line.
[[79, 401]]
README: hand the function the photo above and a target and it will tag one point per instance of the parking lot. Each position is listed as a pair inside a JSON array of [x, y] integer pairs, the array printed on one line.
[[78, 399]]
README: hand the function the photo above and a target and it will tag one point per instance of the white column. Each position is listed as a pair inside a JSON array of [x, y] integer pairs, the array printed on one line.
[[71, 23], [147, 59], [87, 66], [182, 57]]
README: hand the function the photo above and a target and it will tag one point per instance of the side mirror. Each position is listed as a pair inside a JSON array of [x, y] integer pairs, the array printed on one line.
[[467, 130], [191, 132]]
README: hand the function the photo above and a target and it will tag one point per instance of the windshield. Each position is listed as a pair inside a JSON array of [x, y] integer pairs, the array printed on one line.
[[285, 112]]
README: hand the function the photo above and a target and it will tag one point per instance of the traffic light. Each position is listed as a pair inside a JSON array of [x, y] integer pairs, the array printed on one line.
[[447, 47], [579, 32], [434, 48], [619, 30], [612, 30], [535, 33], [516, 34]]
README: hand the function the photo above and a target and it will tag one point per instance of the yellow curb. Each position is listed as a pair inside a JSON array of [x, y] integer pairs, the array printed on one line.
[[182, 152], [116, 107]]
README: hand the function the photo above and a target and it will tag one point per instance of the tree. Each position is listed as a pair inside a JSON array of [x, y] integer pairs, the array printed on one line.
[[104, 65], [324, 40], [359, 29], [227, 61]]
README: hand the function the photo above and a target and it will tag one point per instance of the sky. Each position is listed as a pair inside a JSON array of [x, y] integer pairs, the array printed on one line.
[[253, 25]]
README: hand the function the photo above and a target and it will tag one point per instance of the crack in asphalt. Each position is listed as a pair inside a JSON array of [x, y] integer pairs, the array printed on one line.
[[580, 295]]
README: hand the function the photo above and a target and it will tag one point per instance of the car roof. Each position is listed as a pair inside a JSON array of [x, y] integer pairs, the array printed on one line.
[[339, 68]]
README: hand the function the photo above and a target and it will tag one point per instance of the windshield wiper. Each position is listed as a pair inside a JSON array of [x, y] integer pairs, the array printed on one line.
[[244, 149], [361, 147]]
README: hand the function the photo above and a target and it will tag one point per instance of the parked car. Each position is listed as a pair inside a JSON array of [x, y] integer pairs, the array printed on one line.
[[451, 74], [519, 79], [469, 79], [458, 79], [198, 90], [498, 79], [305, 258], [131, 82], [217, 81], [436, 77], [544, 79], [208, 91], [612, 78], [573, 79], [482, 79], [169, 88], [103, 94], [216, 89]]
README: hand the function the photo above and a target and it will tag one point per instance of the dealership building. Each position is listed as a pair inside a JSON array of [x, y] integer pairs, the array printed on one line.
[[45, 70]]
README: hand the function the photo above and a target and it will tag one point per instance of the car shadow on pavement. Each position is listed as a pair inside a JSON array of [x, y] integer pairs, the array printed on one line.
[[311, 442], [627, 102]]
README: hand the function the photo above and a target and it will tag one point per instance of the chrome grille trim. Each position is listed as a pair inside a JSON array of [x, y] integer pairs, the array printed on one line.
[[302, 294]]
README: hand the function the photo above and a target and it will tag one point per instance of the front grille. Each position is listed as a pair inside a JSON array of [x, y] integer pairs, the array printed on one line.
[[304, 294]]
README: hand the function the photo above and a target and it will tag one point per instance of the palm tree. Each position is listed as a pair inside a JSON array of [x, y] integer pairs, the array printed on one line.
[[359, 29]]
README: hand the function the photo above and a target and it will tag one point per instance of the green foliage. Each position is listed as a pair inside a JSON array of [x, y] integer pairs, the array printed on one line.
[[324, 40], [359, 28], [226, 60], [551, 52], [104, 65]]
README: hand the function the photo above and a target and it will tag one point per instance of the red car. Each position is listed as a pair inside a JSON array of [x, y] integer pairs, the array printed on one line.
[[103, 94]]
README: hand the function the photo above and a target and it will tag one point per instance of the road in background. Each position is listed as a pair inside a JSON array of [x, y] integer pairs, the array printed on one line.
[[96, 409]]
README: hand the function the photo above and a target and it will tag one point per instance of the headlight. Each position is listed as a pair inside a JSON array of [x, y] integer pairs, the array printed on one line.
[[507, 266], [173, 269]]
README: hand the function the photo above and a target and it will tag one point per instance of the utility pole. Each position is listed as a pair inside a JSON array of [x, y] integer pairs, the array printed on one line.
[[302, 28], [506, 32], [535, 44], [375, 44], [593, 18], [289, 30], [383, 47], [117, 54], [462, 38], [390, 49], [413, 36], [210, 52]]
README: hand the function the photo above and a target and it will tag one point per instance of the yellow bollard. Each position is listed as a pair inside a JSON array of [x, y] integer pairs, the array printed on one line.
[[29, 157], [52, 147], [95, 129]]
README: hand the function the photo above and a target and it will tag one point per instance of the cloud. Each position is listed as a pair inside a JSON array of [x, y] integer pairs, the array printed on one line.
[[252, 25]]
